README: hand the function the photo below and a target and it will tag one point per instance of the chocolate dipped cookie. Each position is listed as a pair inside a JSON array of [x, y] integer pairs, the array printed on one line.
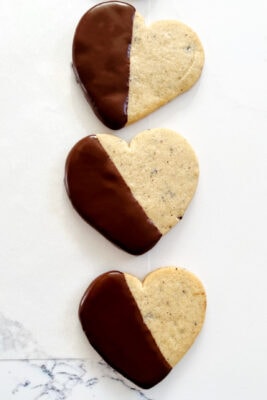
[[127, 69], [142, 329], [132, 193]]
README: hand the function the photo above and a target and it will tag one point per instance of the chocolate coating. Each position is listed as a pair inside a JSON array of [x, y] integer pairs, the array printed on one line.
[[101, 47], [100, 195], [114, 326]]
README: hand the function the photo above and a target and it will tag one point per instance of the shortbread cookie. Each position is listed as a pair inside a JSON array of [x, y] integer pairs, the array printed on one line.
[[126, 69], [143, 329], [133, 194]]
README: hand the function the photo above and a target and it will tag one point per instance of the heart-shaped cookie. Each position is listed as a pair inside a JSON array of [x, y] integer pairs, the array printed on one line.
[[126, 69], [132, 194], [143, 329]]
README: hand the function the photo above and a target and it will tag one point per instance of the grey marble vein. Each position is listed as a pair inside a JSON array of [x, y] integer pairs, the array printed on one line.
[[59, 379]]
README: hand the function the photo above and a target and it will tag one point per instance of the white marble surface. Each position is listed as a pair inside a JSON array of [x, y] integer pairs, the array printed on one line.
[[48, 255], [64, 379]]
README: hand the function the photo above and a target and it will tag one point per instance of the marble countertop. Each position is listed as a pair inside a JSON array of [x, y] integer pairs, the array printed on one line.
[[64, 379], [49, 255]]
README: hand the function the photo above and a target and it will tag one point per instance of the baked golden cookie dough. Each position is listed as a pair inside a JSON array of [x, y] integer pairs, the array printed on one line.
[[166, 60]]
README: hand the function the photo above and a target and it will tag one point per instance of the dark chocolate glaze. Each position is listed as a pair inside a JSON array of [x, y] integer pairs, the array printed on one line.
[[101, 63], [114, 326], [100, 195]]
